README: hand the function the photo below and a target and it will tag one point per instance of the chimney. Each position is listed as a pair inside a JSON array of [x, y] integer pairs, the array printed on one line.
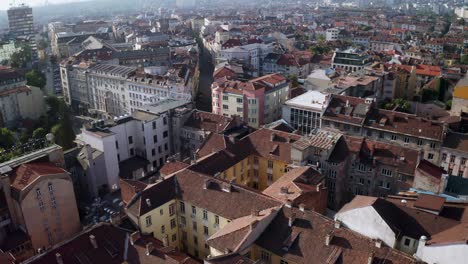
[[289, 203], [58, 256], [302, 207], [134, 237], [378, 243], [337, 224], [291, 220], [93, 241], [149, 248], [422, 242], [284, 190], [148, 202], [165, 240], [328, 238], [370, 258]]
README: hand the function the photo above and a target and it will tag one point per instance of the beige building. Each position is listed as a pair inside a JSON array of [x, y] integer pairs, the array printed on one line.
[[460, 98], [38, 208]]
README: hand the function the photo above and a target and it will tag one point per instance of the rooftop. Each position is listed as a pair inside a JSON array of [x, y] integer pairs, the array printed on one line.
[[313, 100]]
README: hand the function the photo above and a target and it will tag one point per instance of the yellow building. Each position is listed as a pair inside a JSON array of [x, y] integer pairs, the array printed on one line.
[[460, 98], [189, 207], [256, 161]]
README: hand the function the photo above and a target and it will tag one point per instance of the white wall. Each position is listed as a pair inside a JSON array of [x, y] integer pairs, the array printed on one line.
[[443, 254], [367, 222]]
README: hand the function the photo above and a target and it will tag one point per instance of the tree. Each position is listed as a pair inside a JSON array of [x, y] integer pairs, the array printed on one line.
[[39, 133], [402, 104], [36, 78], [7, 138], [21, 58], [294, 80], [464, 59], [63, 131]]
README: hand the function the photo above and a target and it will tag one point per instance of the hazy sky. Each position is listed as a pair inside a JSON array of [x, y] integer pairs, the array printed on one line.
[[5, 4]]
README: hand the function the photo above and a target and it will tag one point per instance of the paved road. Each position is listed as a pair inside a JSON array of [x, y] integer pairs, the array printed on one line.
[[203, 101]]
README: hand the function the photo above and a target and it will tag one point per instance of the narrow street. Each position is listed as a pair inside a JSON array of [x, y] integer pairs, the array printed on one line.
[[203, 101]]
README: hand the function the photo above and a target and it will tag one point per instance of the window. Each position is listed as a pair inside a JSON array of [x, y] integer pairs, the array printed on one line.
[[182, 207], [165, 134], [450, 171], [460, 173], [183, 221], [270, 177], [148, 221], [194, 210], [283, 261], [165, 120], [239, 100], [216, 219], [444, 156], [240, 109], [132, 152], [225, 107], [225, 98], [407, 242], [205, 230], [463, 161], [205, 215], [430, 156], [161, 212], [194, 225], [154, 125], [173, 223], [420, 142], [270, 164], [163, 229], [116, 144], [165, 146], [159, 149], [195, 240], [406, 139], [386, 172], [452, 158], [130, 140], [172, 209], [361, 180], [361, 167], [153, 152], [433, 145], [265, 256], [174, 237], [393, 137], [155, 139], [184, 235]]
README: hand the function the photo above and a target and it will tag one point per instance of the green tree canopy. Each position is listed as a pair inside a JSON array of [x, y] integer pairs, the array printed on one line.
[[36, 78], [21, 58], [63, 131], [400, 103], [7, 138], [39, 133]]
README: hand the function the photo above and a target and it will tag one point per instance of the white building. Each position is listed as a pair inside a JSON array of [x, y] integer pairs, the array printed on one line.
[[304, 112], [332, 34], [251, 55], [18, 101], [132, 146]]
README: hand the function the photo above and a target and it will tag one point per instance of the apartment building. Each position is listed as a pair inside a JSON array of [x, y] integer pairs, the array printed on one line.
[[251, 55], [21, 26], [454, 154], [382, 43], [332, 34], [304, 112], [350, 60], [38, 202], [359, 117], [460, 98], [221, 222], [257, 101], [18, 101], [107, 243], [257, 160], [423, 226]]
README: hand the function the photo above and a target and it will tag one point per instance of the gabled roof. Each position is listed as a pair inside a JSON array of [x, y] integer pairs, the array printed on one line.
[[29, 172]]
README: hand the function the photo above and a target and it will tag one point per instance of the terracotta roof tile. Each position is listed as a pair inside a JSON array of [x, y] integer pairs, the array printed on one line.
[[29, 172]]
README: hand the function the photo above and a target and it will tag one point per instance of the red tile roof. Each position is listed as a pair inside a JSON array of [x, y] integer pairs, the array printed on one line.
[[29, 172]]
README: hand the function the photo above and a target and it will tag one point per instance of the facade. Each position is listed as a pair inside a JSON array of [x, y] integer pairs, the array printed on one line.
[[251, 55], [304, 111], [350, 60], [21, 25], [257, 101], [460, 98], [7, 49], [18, 101], [39, 208], [454, 154], [332, 34], [359, 117]]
